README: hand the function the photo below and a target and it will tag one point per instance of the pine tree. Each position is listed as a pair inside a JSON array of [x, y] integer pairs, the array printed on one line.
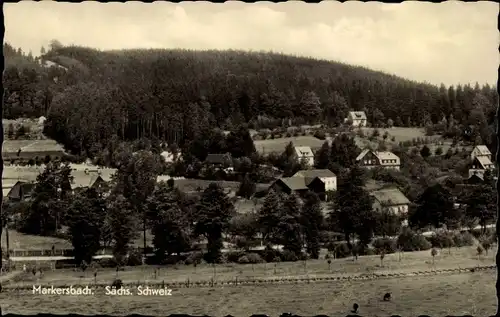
[[312, 220]]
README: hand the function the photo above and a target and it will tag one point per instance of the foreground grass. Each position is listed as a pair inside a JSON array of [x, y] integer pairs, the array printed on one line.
[[410, 262], [440, 295]]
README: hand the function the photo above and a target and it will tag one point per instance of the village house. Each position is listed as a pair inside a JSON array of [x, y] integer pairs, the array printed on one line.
[[304, 153], [20, 191], [357, 118], [319, 181], [372, 159], [98, 179], [390, 200], [480, 161]]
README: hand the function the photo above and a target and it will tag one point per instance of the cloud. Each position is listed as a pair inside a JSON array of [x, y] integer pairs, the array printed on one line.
[[451, 42]]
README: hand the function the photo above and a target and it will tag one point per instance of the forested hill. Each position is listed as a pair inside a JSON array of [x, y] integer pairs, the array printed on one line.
[[176, 94]]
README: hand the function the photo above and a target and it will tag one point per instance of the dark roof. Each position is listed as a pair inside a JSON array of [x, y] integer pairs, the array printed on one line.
[[21, 187], [218, 158], [294, 183]]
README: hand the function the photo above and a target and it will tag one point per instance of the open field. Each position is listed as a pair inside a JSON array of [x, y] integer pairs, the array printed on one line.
[[400, 134], [22, 241], [279, 145], [410, 262], [439, 295]]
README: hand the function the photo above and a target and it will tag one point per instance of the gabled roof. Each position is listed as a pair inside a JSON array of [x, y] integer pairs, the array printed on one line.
[[386, 155], [294, 183], [303, 151], [484, 161], [483, 149], [390, 197], [362, 154], [314, 173], [357, 115]]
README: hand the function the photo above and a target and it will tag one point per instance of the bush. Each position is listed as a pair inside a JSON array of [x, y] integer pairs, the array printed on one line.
[[288, 256], [463, 239], [254, 258], [270, 254], [410, 241], [385, 245], [194, 258], [107, 263], [234, 256], [243, 260], [320, 135], [341, 250], [442, 240], [134, 258]]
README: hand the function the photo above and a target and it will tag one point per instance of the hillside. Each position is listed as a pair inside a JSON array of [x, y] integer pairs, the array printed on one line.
[[174, 95]]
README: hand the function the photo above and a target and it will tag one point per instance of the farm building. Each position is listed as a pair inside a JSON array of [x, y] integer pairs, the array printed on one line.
[[357, 118], [481, 161], [372, 159]]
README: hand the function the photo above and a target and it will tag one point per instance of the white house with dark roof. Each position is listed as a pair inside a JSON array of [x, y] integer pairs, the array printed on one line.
[[480, 151], [390, 200], [372, 159], [327, 177], [305, 153], [481, 161], [357, 118]]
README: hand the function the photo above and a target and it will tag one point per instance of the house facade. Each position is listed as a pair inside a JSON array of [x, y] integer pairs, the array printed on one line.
[[318, 181], [326, 177], [304, 153], [479, 165], [480, 161], [372, 159], [390, 200], [357, 118]]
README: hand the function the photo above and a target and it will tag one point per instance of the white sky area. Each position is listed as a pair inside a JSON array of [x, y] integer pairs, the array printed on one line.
[[451, 42]]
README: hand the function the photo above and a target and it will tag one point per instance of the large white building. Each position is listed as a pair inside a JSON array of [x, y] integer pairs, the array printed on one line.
[[305, 153]]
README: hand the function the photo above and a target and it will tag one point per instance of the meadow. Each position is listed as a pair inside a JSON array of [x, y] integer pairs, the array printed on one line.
[[407, 262], [440, 295], [278, 145]]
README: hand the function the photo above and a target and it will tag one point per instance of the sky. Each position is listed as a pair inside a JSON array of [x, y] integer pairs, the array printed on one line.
[[451, 42]]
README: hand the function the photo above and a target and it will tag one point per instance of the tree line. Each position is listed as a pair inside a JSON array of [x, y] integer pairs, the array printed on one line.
[[178, 95]]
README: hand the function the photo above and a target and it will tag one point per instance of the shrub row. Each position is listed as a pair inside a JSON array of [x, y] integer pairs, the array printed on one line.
[[408, 241]]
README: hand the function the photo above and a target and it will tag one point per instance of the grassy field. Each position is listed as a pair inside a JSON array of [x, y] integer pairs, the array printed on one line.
[[279, 145], [399, 133], [410, 262], [439, 295]]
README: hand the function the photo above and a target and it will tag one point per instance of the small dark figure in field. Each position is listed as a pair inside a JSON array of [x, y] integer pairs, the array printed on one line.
[[387, 297], [33, 271], [355, 308], [117, 284]]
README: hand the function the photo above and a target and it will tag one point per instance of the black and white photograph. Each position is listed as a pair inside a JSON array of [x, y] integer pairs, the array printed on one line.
[[239, 159]]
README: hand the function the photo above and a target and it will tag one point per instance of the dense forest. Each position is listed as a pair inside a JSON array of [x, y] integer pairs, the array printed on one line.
[[93, 98]]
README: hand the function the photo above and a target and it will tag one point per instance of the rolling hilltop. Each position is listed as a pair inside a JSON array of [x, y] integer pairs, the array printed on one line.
[[174, 95]]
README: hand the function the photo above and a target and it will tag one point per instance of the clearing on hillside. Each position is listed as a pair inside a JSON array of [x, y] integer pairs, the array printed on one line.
[[279, 145]]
